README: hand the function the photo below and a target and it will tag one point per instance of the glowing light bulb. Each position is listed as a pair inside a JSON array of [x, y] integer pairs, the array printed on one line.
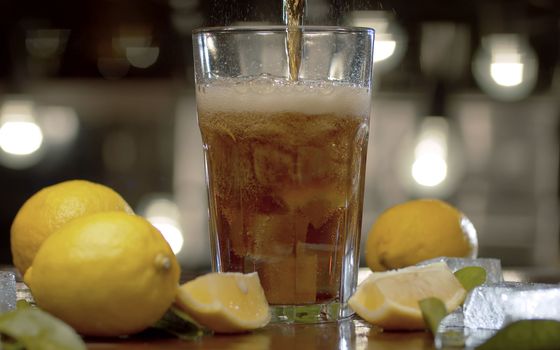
[[163, 213], [142, 57], [384, 49], [390, 38], [429, 170], [20, 137], [506, 66], [507, 74], [429, 167], [170, 231]]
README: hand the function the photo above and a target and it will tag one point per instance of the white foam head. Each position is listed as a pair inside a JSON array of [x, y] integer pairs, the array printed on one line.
[[272, 96]]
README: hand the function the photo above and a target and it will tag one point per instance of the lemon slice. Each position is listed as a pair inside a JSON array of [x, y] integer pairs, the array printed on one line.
[[390, 299], [225, 302]]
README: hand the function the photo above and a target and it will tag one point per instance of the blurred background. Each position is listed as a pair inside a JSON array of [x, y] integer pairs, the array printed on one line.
[[466, 108]]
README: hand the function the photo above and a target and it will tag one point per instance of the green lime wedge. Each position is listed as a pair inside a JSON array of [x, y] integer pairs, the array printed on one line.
[[33, 329], [179, 324], [525, 334], [471, 277], [433, 311]]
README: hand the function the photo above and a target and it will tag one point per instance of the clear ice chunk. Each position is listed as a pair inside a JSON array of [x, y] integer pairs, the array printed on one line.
[[493, 267], [453, 319], [494, 306], [8, 296], [24, 293]]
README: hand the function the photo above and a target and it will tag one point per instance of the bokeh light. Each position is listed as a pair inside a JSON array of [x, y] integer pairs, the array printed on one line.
[[60, 124], [390, 39], [164, 214], [429, 167], [20, 134], [505, 66]]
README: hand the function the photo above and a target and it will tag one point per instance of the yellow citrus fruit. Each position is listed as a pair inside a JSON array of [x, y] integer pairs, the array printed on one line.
[[390, 299], [418, 230], [53, 206], [225, 302], [105, 274]]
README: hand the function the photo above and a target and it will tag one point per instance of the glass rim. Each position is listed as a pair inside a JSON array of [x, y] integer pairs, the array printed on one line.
[[282, 29]]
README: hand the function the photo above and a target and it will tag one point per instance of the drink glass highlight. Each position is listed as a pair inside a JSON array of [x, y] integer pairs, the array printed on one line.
[[285, 160]]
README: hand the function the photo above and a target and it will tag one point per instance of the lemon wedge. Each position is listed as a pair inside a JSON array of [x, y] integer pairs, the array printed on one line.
[[229, 302], [390, 299]]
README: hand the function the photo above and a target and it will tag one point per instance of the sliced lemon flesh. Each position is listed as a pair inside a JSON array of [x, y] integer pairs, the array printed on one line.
[[225, 302], [390, 299]]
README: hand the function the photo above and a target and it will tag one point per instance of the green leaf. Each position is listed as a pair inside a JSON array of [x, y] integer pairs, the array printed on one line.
[[13, 346], [34, 329], [471, 277], [433, 311], [180, 324], [21, 304], [525, 334]]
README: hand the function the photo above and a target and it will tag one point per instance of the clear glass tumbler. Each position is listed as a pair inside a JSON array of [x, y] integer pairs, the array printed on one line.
[[285, 160]]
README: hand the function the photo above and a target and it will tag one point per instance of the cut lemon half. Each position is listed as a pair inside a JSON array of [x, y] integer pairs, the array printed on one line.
[[225, 302], [390, 299]]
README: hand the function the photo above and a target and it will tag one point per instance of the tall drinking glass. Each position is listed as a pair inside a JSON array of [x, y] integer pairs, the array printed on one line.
[[285, 160]]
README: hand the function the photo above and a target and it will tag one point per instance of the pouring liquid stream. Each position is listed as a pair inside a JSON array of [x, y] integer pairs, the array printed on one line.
[[293, 11]]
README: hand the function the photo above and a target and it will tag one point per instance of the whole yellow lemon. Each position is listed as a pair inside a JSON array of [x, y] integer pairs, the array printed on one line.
[[105, 274], [54, 206], [418, 230]]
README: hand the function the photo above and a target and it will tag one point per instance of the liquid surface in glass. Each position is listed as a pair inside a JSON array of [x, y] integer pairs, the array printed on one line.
[[285, 165]]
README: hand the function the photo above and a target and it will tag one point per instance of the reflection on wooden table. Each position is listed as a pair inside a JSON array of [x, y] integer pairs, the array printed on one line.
[[350, 334]]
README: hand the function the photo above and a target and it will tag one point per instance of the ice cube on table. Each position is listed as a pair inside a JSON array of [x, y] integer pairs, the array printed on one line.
[[8, 296], [453, 319], [493, 267], [462, 338], [496, 305], [24, 293]]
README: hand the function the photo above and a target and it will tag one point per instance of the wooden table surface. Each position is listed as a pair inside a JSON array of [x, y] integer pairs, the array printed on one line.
[[349, 334]]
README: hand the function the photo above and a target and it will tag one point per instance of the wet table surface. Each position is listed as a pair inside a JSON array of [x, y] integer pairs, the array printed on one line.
[[349, 334]]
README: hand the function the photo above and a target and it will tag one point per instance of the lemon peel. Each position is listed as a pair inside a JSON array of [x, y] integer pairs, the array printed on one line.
[[418, 230], [105, 274], [52, 207]]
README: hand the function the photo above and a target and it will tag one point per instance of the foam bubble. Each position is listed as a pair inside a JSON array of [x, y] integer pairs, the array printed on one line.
[[273, 95]]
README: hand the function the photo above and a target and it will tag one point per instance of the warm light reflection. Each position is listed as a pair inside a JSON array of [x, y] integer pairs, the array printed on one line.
[[506, 66], [60, 124], [45, 43], [170, 231], [507, 74], [142, 57], [19, 133], [384, 49], [468, 228], [163, 213], [429, 167], [20, 137], [429, 170], [390, 39]]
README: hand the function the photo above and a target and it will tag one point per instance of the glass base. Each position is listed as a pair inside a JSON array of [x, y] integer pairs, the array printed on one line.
[[316, 313]]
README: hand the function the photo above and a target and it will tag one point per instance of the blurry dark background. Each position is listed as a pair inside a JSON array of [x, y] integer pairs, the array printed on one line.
[[466, 108]]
